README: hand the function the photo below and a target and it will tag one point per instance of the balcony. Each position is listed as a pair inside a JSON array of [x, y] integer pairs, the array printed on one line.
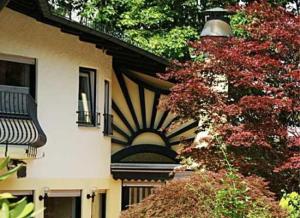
[[19, 125]]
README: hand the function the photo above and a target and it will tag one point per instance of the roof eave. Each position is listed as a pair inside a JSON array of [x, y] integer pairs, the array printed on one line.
[[44, 6]]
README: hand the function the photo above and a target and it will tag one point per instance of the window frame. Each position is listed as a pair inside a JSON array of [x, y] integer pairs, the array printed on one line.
[[106, 97], [108, 118], [75, 195], [33, 72], [92, 93]]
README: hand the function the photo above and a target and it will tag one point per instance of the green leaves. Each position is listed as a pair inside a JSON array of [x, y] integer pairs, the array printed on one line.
[[4, 196], [237, 22], [8, 173], [4, 163], [161, 27], [19, 209], [4, 211], [146, 18], [291, 202], [171, 44]]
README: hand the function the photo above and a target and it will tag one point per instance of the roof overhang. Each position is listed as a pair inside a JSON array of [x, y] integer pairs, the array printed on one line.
[[124, 54], [140, 171]]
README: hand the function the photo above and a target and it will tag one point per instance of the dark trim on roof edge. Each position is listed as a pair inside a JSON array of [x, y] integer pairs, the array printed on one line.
[[44, 6]]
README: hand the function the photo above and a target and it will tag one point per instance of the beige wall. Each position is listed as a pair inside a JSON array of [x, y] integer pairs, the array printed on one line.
[[75, 157], [71, 151]]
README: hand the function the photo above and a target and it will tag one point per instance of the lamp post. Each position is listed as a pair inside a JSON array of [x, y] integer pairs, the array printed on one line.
[[217, 23]]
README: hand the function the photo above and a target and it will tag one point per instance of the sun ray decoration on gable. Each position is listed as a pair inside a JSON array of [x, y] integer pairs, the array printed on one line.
[[139, 126]]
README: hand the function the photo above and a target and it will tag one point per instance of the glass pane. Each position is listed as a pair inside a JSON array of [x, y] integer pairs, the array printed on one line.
[[85, 104], [14, 74], [63, 207], [106, 97], [18, 74]]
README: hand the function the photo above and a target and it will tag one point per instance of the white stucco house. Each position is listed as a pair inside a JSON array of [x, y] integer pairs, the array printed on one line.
[[79, 108]]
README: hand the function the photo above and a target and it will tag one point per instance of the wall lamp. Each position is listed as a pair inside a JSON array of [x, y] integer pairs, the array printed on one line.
[[93, 195], [45, 196]]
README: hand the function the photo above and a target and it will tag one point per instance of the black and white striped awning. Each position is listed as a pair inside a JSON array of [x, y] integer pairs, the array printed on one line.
[[142, 171]]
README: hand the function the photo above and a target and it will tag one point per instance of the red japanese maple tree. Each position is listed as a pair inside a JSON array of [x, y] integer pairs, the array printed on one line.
[[256, 112]]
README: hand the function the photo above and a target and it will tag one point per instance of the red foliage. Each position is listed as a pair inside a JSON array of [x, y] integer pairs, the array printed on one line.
[[262, 97], [198, 196]]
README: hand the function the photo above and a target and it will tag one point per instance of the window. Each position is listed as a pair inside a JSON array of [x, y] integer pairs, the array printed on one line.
[[86, 97], [106, 97], [62, 206], [102, 205], [107, 116], [13, 72], [99, 205]]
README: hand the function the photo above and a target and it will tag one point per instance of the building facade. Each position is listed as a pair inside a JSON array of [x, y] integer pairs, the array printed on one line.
[[80, 109]]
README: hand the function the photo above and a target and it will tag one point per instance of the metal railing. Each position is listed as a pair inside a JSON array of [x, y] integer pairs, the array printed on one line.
[[107, 128], [87, 118], [18, 118]]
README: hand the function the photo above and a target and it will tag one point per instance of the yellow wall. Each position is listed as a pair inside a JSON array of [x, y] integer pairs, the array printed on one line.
[[86, 186]]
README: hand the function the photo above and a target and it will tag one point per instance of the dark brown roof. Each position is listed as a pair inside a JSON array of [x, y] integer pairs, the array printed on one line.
[[124, 54]]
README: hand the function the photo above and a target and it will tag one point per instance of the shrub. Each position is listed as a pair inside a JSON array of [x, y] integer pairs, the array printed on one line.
[[210, 194], [291, 202]]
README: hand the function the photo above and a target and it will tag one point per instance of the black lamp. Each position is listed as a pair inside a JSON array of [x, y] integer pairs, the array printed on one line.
[[93, 195], [45, 196]]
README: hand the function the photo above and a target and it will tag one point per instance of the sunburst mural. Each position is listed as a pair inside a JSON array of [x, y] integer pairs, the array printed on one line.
[[140, 128]]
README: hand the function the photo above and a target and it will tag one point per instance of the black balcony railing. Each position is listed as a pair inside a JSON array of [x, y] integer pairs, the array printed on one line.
[[18, 118], [107, 128], [86, 118]]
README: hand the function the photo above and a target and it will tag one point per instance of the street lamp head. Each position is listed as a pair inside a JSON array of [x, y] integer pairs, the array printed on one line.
[[217, 23], [216, 28]]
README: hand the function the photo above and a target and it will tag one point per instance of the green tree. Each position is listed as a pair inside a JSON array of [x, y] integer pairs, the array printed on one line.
[[159, 26]]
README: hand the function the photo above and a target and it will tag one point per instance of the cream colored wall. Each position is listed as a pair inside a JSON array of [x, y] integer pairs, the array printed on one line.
[[75, 157], [71, 151]]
